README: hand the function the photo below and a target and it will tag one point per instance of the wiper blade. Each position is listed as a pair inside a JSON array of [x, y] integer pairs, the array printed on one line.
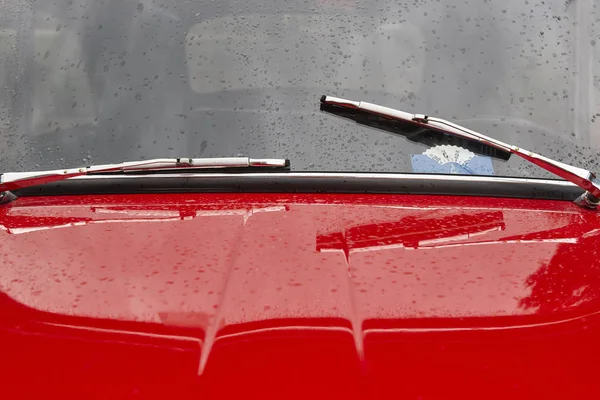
[[19, 180], [414, 132], [578, 176]]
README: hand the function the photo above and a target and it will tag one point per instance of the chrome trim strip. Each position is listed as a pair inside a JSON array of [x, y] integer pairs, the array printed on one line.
[[338, 175]]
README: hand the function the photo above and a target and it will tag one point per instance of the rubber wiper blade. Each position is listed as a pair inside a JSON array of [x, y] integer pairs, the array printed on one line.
[[414, 132], [583, 178], [19, 180]]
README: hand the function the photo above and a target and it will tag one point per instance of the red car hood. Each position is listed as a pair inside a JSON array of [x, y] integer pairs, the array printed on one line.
[[229, 295]]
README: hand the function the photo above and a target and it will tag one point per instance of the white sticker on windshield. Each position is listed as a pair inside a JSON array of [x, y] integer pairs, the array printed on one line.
[[447, 159]]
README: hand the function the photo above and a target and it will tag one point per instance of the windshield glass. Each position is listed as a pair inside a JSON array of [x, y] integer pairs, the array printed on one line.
[[89, 82]]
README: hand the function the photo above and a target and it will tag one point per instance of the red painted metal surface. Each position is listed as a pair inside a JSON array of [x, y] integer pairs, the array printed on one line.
[[298, 296]]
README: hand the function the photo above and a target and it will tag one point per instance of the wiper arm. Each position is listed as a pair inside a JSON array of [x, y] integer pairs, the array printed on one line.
[[578, 176], [19, 180]]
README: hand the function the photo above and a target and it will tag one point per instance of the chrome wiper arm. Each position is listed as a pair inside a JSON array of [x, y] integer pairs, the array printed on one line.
[[581, 177], [19, 180]]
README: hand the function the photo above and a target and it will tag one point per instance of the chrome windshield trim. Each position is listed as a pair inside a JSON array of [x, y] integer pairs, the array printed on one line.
[[354, 175]]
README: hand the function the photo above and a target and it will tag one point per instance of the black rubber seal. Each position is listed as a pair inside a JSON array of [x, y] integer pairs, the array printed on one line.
[[312, 183]]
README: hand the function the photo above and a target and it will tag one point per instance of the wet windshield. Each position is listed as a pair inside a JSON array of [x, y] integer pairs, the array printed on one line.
[[88, 81]]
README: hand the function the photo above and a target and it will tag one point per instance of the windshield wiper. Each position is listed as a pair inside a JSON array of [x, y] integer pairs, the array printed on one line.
[[578, 176], [19, 180]]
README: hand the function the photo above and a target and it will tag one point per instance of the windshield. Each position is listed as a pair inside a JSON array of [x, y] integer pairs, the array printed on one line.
[[88, 82]]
